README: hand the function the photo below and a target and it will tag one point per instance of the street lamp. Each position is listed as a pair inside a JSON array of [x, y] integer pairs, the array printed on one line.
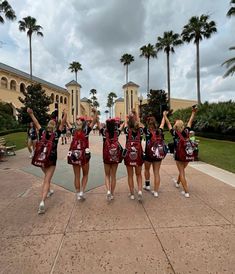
[[140, 107]]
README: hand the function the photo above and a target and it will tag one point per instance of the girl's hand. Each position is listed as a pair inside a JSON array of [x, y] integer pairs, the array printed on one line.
[[30, 111]]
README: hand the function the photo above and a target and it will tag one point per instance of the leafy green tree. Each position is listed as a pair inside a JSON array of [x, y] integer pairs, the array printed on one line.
[[7, 11], [75, 67], [230, 64], [157, 103], [148, 51], [29, 24], [197, 29], [7, 120], [35, 98], [231, 11], [167, 44], [127, 59]]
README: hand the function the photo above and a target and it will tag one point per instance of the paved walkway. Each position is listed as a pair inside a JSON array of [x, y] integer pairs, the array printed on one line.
[[169, 234]]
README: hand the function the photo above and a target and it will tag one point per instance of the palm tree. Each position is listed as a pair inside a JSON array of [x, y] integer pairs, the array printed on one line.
[[148, 52], [93, 98], [231, 11], [126, 59], [110, 102], [106, 112], [75, 67], [197, 29], [30, 24], [6, 9], [230, 63], [167, 44]]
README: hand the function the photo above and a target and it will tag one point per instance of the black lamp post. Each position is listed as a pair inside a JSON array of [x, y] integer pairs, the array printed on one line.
[[140, 107]]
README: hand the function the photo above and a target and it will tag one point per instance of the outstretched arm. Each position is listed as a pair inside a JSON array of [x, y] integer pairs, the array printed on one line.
[[162, 123], [94, 118], [63, 121], [167, 120], [34, 119], [194, 110]]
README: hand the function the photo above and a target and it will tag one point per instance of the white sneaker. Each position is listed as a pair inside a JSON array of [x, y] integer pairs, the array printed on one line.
[[140, 196], [155, 193], [50, 193], [108, 195], [111, 197], [82, 197], [177, 185], [78, 196], [41, 208], [131, 196], [146, 187], [186, 195], [183, 192], [30, 156]]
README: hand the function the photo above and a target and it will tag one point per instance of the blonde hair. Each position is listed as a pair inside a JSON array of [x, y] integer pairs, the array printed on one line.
[[179, 125], [51, 126]]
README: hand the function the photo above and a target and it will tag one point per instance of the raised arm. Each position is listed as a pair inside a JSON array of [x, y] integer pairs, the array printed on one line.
[[68, 124], [34, 119], [94, 118], [194, 110], [167, 120], [63, 121], [162, 123], [98, 122]]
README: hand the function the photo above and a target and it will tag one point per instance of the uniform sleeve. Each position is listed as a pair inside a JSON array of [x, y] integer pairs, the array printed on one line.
[[173, 133], [40, 132], [126, 130]]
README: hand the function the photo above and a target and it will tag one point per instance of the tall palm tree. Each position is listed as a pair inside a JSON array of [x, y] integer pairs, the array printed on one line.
[[29, 24], [110, 102], [126, 59], [197, 29], [75, 67], [231, 11], [148, 52], [167, 44], [230, 63], [7, 11]]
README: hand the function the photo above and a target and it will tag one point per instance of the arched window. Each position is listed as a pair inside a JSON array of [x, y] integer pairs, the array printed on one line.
[[22, 87], [4, 82], [131, 99], [13, 85], [52, 97], [57, 98], [61, 99], [65, 100], [72, 98]]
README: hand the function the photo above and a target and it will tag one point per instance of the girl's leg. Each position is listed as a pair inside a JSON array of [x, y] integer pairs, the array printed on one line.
[[85, 171], [181, 167], [107, 171], [113, 172], [48, 173], [29, 145], [138, 177], [77, 174], [130, 180], [147, 166], [156, 173]]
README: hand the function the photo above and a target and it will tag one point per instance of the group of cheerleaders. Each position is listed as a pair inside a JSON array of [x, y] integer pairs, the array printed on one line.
[[133, 155]]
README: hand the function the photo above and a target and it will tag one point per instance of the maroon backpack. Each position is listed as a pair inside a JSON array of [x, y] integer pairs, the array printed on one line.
[[134, 151], [112, 150], [156, 149], [43, 149], [185, 149], [77, 151]]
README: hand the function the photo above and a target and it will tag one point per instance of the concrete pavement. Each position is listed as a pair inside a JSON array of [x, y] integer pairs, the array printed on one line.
[[168, 234]]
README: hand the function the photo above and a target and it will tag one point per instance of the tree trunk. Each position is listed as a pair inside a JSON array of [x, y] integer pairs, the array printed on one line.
[[126, 74], [168, 79], [148, 76], [198, 74], [30, 56], [76, 76]]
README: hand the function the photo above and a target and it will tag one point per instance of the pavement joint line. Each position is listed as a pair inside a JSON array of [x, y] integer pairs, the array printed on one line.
[[63, 237], [168, 260], [108, 230], [214, 209]]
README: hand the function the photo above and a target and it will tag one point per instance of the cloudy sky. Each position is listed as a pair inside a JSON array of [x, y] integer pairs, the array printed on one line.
[[97, 33]]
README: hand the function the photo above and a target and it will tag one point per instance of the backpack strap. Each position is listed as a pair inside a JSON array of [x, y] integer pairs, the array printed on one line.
[[181, 136]]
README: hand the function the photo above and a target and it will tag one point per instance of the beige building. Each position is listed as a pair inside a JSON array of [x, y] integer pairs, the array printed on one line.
[[14, 81], [132, 100]]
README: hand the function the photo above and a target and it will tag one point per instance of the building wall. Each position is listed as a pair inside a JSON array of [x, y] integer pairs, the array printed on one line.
[[119, 110], [130, 99], [85, 109], [11, 84]]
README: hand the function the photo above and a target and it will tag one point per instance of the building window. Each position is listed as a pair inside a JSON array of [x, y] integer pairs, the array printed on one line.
[[22, 87], [127, 104], [61, 99], [52, 97], [57, 98], [131, 99], [13, 85], [72, 97], [76, 102], [65, 101], [4, 82]]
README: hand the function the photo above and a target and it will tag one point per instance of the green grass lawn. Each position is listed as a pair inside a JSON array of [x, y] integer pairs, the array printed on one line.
[[18, 138], [215, 152]]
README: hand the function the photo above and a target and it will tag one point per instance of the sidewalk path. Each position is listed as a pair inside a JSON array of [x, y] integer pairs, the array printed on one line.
[[169, 234]]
